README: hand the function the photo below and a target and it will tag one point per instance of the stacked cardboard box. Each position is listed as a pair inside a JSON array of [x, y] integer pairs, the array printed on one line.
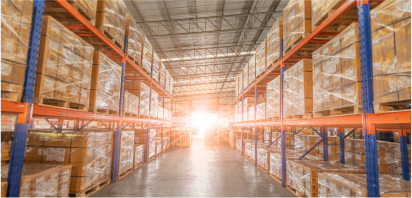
[[89, 153], [158, 146], [166, 143], [236, 86], [110, 18], [321, 9], [147, 55], [261, 55], [126, 153], [6, 142], [42, 180], [276, 162], [171, 85], [143, 91], [261, 111], [152, 149], [391, 45], [297, 22], [239, 144], [247, 103], [162, 75], [134, 40], [389, 155], [140, 138], [139, 152], [245, 74], [289, 140], [274, 37], [156, 66], [160, 112], [337, 76], [154, 104], [241, 79], [264, 156], [64, 66], [252, 70], [15, 31], [298, 89], [273, 98], [130, 104], [4, 189], [303, 174], [304, 142], [105, 85], [355, 185], [167, 79]]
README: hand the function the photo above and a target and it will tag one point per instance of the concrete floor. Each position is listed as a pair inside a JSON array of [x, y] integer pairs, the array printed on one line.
[[206, 169]]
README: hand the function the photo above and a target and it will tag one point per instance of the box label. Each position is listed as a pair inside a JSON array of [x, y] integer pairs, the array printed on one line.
[[55, 154], [6, 69]]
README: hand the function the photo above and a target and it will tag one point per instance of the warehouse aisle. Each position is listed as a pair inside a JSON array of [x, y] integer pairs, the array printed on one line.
[[207, 168]]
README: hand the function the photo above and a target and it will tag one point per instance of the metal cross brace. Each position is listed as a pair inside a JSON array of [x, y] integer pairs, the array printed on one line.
[[85, 125], [126, 125], [51, 124], [104, 125], [299, 131], [276, 129], [274, 141], [317, 132], [352, 131], [307, 152]]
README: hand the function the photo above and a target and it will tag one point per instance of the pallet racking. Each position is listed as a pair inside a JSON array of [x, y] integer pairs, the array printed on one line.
[[26, 110], [368, 121]]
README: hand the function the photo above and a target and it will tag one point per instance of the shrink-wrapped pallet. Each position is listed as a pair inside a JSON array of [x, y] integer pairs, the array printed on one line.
[[304, 142], [303, 174], [241, 82], [41, 180], [252, 70], [171, 86], [260, 145], [140, 89], [126, 153], [288, 138], [273, 99], [297, 23], [89, 153], [337, 76], [156, 66], [105, 85], [261, 111], [111, 18], [261, 55], [167, 86], [15, 30], [322, 9], [276, 162], [389, 156], [245, 73], [166, 143], [160, 112], [391, 46], [147, 55], [274, 37], [64, 67], [154, 104], [251, 113], [140, 136], [158, 146], [355, 185], [236, 86], [162, 75], [264, 156], [298, 89], [134, 40], [152, 149], [130, 104], [139, 151]]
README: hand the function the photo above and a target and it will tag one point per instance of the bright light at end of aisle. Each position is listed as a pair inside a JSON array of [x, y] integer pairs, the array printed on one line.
[[202, 121]]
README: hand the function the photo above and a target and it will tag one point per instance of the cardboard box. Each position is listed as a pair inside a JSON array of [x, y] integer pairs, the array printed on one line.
[[110, 19], [134, 39], [139, 153], [274, 37], [252, 70], [147, 55], [126, 153], [261, 58]]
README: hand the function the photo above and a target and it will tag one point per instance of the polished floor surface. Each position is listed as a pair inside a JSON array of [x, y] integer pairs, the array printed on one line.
[[206, 169]]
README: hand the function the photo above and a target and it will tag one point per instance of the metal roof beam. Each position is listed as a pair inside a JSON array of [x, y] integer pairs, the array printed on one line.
[[210, 83], [207, 32]]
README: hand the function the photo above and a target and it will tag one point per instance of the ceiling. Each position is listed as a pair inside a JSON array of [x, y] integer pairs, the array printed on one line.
[[205, 44]]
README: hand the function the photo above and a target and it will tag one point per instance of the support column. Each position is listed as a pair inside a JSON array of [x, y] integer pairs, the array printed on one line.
[[256, 128], [283, 128], [404, 154], [325, 144], [146, 157], [341, 134]]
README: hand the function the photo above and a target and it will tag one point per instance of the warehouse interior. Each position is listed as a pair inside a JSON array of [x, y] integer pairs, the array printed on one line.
[[196, 98]]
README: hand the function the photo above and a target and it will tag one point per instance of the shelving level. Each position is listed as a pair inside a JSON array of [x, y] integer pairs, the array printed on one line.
[[79, 23], [361, 116]]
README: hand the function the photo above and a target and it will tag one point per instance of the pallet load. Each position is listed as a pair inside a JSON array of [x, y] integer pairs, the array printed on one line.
[[126, 153], [245, 74], [261, 111], [141, 90], [158, 146], [167, 83], [130, 105], [147, 55], [389, 156], [139, 152], [89, 153], [355, 185], [140, 138], [105, 85], [260, 145], [297, 23], [337, 75], [241, 88], [261, 55], [304, 142], [110, 20], [264, 157], [274, 37], [64, 68], [166, 143], [6, 143], [298, 90], [252, 70], [154, 104], [288, 138], [41, 180], [303, 174], [160, 111], [134, 40], [171, 86], [391, 46], [162, 75], [86, 8], [156, 66], [236, 86], [251, 114], [273, 100], [15, 31], [321, 9]]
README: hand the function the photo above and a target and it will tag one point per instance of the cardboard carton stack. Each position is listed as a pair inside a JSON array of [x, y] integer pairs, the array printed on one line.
[[261, 111], [143, 91], [126, 153], [289, 140], [245, 74], [162, 75], [274, 37], [276, 162], [89, 153], [252, 70], [134, 40], [264, 157], [130, 104], [41, 180], [147, 55], [139, 152], [273, 99], [15, 31], [261, 58], [304, 142], [321, 9], [111, 18], [154, 104], [156, 66], [140, 138], [158, 146]]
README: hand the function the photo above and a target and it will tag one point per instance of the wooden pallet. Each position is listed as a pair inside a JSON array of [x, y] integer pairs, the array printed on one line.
[[139, 164], [104, 111], [356, 109], [135, 61], [124, 174], [299, 117], [56, 11], [392, 106], [275, 177], [12, 95], [131, 115], [273, 119], [110, 37], [41, 100], [273, 63], [296, 42], [91, 190]]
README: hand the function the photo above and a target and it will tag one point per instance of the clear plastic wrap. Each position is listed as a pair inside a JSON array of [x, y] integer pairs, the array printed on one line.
[[134, 39], [167, 86], [131, 104], [152, 149], [241, 82], [105, 87], [251, 113], [252, 70], [273, 98], [236, 86], [261, 111], [261, 55], [245, 73], [160, 112], [156, 67], [274, 37], [166, 142], [321, 9], [90, 154], [389, 156], [391, 45], [42, 180], [297, 22], [278, 143], [126, 152], [140, 136], [302, 175], [304, 142], [158, 146], [64, 68], [147, 55], [298, 89], [171, 85], [154, 104], [264, 156], [138, 155], [162, 75], [111, 17], [336, 72], [355, 185], [15, 31]]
